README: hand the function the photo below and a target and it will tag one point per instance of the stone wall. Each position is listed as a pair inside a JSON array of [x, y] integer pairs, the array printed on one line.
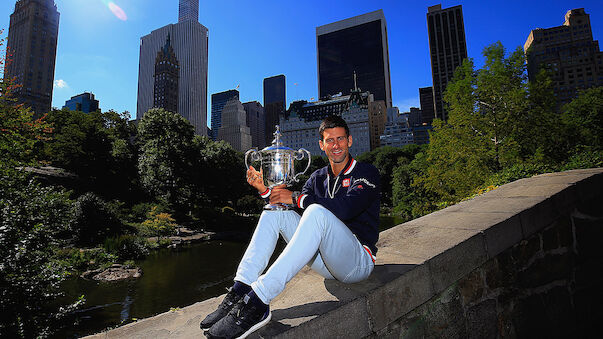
[[519, 261], [546, 285]]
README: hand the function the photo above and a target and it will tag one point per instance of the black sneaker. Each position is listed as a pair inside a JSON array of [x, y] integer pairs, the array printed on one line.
[[230, 300], [245, 318]]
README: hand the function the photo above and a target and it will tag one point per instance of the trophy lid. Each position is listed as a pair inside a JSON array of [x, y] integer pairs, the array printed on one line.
[[277, 144]]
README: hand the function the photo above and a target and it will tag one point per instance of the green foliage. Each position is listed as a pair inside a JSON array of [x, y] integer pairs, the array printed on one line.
[[165, 164], [160, 223], [33, 222], [250, 204], [81, 259], [93, 220], [385, 159], [140, 211], [583, 120], [127, 247]]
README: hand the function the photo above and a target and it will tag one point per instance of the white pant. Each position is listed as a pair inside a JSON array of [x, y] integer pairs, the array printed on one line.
[[317, 239]]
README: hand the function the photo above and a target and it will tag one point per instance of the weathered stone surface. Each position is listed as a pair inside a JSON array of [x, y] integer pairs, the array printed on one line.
[[399, 296], [471, 287], [526, 250], [537, 217], [546, 270], [482, 320], [451, 265]]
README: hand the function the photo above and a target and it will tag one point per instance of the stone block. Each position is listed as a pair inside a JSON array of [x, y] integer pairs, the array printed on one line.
[[503, 235], [529, 319], [449, 266], [348, 318], [471, 287], [398, 297], [482, 320], [526, 250], [590, 187], [559, 311], [546, 270], [589, 234], [424, 242], [445, 316], [495, 204], [537, 217]]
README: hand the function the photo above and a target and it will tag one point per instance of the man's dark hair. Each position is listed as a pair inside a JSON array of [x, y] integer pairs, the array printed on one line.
[[332, 122]]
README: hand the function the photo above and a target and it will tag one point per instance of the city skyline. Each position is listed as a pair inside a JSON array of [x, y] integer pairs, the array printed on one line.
[[98, 45]]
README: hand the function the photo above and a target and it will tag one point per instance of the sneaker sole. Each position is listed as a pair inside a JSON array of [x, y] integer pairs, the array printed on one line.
[[256, 326]]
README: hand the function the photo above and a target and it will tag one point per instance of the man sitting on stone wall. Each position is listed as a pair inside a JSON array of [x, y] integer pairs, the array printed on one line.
[[335, 235]]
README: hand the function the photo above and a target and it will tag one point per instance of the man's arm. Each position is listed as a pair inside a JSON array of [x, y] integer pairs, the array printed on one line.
[[256, 180]]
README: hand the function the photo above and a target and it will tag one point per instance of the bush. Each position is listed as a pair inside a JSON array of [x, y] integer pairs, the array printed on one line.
[[140, 211], [250, 204], [586, 158], [159, 223], [93, 220], [127, 247]]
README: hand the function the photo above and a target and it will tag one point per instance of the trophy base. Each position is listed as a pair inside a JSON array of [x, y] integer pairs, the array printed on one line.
[[278, 207]]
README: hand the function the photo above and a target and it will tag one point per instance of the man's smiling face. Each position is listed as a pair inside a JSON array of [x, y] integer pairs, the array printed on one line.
[[336, 143]]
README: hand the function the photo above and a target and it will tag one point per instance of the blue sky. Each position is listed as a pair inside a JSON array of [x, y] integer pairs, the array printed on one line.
[[98, 50]]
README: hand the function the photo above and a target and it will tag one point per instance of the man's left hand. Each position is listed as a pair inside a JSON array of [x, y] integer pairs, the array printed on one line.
[[280, 194]]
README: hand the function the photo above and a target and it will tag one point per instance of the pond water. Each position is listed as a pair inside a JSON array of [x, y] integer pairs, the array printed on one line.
[[171, 278]]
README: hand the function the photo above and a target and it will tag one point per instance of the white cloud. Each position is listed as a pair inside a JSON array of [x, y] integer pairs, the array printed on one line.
[[60, 84], [405, 104]]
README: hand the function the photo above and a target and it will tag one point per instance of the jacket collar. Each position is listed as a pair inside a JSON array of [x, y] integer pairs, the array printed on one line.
[[349, 167]]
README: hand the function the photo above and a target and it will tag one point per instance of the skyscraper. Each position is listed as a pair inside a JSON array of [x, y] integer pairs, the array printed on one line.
[[189, 40], [31, 52], [570, 52], [426, 100], [218, 101], [254, 113], [274, 104], [84, 102], [234, 128], [447, 49], [188, 10], [165, 91], [354, 45]]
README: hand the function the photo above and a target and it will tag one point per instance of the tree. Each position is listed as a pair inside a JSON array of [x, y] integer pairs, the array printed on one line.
[[165, 164], [496, 119], [386, 158], [20, 134], [219, 172], [583, 120]]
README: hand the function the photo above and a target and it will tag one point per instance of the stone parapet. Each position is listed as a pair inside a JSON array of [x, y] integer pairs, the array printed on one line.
[[518, 261]]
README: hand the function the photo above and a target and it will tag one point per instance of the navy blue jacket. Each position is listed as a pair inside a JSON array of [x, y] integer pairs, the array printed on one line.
[[353, 196]]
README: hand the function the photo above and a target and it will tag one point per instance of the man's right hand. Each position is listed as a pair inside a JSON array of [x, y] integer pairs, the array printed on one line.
[[256, 179]]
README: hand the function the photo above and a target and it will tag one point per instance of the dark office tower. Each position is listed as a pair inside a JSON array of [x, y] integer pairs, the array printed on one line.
[[165, 90], [31, 52], [255, 121], [426, 99], [359, 45], [570, 52], [188, 10], [447, 49], [218, 101], [84, 102], [274, 104]]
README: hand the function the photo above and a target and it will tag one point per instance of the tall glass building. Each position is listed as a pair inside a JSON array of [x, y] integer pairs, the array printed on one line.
[[354, 45], [274, 104], [218, 101], [189, 40], [84, 102], [447, 49]]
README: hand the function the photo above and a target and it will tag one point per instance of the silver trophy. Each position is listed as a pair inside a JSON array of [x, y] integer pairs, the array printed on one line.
[[277, 165]]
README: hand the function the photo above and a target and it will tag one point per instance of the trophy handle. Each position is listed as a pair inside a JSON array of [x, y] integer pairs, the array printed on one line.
[[298, 156], [255, 156]]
